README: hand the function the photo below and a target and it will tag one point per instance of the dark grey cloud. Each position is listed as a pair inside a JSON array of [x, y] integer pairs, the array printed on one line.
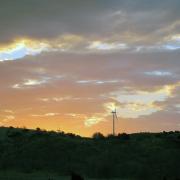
[[46, 19]]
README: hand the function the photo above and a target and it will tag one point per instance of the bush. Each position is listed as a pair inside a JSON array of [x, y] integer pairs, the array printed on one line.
[[98, 135], [124, 136]]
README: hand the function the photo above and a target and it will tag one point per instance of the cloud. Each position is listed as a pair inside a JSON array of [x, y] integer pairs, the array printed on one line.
[[37, 81], [22, 48], [72, 43], [95, 82], [9, 111], [158, 73], [93, 120], [6, 118], [136, 103], [57, 99], [135, 110], [98, 45], [28, 83], [50, 114], [9, 117], [106, 25], [65, 98]]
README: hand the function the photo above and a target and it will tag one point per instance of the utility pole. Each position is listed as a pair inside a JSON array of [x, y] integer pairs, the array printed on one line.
[[114, 117]]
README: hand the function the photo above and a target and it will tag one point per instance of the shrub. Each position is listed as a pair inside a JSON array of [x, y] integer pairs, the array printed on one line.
[[98, 135]]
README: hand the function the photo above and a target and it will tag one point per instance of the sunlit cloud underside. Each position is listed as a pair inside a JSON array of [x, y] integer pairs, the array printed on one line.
[[79, 44], [134, 103]]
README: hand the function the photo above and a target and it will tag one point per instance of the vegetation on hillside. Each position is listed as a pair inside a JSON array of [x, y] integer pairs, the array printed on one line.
[[137, 156]]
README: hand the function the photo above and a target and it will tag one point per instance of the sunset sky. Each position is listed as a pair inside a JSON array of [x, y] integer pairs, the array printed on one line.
[[66, 64]]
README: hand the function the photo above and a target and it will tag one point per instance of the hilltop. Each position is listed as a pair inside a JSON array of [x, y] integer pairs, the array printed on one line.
[[136, 156]]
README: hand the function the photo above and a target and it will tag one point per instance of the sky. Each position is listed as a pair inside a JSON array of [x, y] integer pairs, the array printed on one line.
[[66, 64]]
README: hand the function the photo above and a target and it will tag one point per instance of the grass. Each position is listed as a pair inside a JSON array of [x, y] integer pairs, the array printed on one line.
[[13, 175], [10, 175]]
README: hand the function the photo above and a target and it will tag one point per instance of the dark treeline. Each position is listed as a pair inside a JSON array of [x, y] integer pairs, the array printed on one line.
[[137, 156]]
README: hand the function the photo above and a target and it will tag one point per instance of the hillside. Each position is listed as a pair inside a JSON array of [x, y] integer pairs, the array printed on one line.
[[136, 156]]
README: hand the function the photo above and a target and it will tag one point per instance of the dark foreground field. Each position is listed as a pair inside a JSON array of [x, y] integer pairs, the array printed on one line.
[[36, 154], [43, 176]]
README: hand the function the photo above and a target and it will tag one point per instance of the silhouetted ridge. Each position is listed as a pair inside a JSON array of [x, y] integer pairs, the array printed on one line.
[[137, 156]]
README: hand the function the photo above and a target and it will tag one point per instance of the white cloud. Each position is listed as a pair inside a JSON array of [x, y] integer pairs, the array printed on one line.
[[93, 120], [133, 103], [50, 114], [177, 106], [56, 99], [22, 48], [97, 81], [64, 98], [31, 83], [135, 110], [136, 103], [78, 44], [158, 73], [98, 45]]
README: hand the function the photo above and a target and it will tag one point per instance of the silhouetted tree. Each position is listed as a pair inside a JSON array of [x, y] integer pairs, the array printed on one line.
[[98, 135], [38, 129], [124, 136], [110, 136]]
